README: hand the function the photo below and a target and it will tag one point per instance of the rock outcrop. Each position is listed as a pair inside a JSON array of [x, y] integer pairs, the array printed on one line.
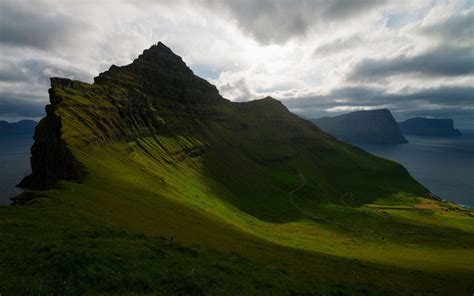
[[121, 105], [370, 127], [420, 126]]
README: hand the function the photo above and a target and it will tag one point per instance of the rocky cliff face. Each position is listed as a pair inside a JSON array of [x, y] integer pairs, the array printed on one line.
[[420, 126], [371, 127], [123, 104], [51, 158]]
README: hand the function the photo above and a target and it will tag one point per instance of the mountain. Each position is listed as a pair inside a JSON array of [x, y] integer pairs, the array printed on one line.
[[17, 128], [370, 127], [148, 181], [420, 126]]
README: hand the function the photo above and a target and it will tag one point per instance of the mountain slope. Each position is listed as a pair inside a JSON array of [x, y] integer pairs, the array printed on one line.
[[156, 103], [368, 126], [153, 159]]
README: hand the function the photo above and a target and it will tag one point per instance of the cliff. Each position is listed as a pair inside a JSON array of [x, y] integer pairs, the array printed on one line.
[[371, 127], [420, 126]]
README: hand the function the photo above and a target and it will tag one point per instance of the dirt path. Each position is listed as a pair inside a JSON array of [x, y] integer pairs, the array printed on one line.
[[347, 194], [295, 205], [290, 198]]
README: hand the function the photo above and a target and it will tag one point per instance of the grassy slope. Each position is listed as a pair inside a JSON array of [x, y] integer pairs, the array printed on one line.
[[152, 216], [113, 233]]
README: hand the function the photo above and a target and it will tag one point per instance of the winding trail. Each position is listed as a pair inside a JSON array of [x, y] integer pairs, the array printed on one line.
[[347, 194], [290, 198]]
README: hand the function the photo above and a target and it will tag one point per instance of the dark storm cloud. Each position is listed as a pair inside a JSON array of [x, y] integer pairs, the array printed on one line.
[[21, 105], [371, 96], [28, 82], [36, 72], [34, 24], [271, 21], [442, 61]]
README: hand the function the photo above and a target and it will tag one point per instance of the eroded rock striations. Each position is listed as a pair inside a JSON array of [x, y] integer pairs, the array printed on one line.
[[371, 127], [123, 103], [420, 126]]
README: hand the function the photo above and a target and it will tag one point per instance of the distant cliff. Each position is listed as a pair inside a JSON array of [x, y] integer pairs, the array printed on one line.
[[371, 127], [17, 128], [421, 126]]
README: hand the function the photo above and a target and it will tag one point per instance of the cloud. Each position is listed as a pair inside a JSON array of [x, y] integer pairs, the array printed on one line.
[[237, 89], [442, 61], [457, 102], [457, 28], [338, 45], [19, 105], [37, 25], [36, 71], [411, 55], [270, 21]]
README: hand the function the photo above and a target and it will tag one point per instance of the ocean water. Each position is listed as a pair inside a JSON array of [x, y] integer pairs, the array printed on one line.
[[14, 164], [444, 165]]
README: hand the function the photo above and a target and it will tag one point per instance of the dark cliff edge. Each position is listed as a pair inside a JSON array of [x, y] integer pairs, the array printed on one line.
[[370, 127], [51, 159], [420, 126], [123, 104]]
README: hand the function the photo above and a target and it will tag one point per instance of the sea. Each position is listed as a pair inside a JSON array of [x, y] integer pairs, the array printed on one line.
[[14, 164], [444, 165]]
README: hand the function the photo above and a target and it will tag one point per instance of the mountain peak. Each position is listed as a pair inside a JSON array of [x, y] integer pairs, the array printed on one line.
[[160, 46], [159, 50], [159, 72]]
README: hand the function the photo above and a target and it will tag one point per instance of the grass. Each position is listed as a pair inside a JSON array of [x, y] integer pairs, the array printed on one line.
[[131, 208]]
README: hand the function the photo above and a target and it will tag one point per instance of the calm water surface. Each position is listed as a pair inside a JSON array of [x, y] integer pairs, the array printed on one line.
[[14, 164], [444, 165]]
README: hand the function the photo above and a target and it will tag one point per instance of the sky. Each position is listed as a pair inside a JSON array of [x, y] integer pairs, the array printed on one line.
[[320, 58]]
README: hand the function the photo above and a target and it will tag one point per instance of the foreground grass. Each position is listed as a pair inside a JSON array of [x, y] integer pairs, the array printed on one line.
[[41, 257]]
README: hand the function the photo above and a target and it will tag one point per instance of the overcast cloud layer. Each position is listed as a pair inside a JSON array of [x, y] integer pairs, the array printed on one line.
[[321, 58]]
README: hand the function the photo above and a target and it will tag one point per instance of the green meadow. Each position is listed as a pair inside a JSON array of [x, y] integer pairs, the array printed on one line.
[[141, 226]]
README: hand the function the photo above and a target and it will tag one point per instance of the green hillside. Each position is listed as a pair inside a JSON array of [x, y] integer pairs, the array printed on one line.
[[149, 182]]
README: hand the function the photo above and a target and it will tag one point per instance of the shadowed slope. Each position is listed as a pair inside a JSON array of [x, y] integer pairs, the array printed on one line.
[[251, 150]]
